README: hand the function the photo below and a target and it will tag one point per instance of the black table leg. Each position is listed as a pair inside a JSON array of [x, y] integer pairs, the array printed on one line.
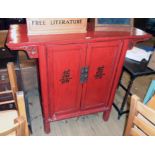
[[126, 97], [121, 109]]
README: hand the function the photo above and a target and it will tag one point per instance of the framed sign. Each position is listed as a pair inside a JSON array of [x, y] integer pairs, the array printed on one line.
[[113, 24], [43, 26]]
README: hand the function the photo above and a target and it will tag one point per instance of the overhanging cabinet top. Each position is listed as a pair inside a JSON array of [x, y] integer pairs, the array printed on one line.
[[19, 40]]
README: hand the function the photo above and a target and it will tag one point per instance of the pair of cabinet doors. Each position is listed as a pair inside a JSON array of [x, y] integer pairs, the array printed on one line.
[[80, 76]]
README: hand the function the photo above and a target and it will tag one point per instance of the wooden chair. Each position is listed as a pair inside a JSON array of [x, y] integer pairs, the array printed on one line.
[[14, 122], [141, 120]]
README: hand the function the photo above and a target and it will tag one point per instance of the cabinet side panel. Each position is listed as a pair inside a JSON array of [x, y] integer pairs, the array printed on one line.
[[64, 64]]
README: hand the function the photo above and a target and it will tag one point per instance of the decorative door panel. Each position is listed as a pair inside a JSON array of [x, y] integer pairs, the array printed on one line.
[[64, 64], [101, 58]]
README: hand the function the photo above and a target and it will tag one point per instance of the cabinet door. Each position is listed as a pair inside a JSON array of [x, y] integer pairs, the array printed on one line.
[[101, 59], [64, 64]]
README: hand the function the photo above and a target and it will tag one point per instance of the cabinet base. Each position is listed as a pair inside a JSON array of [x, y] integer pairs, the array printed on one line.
[[105, 111]]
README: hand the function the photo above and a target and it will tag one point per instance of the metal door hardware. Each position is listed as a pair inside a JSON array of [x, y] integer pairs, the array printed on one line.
[[84, 74]]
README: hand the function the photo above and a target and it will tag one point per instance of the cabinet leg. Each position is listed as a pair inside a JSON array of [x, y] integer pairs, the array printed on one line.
[[47, 127], [106, 115]]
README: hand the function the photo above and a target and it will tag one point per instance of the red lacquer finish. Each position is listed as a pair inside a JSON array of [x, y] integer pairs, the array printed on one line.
[[101, 59], [62, 59], [64, 65]]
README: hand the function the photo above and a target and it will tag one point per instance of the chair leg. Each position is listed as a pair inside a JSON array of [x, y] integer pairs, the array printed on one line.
[[21, 109]]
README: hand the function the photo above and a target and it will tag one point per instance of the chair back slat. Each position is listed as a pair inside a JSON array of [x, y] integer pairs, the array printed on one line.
[[136, 132], [145, 126], [5, 92], [146, 112], [7, 102]]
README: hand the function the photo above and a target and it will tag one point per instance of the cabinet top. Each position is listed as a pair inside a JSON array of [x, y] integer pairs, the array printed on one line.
[[17, 36]]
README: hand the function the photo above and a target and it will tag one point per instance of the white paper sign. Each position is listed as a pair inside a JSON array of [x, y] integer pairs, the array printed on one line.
[[138, 54]]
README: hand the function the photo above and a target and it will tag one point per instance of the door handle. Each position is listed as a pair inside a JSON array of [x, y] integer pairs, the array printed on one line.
[[84, 74]]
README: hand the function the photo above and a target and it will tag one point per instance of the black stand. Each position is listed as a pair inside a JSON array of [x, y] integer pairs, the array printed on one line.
[[134, 69]]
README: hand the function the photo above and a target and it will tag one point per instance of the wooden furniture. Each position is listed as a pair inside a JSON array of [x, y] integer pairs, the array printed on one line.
[[14, 122], [7, 117], [141, 120], [79, 73], [12, 82], [134, 69], [5, 85]]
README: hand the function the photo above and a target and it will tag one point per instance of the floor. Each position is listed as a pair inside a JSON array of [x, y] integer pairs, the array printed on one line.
[[90, 125]]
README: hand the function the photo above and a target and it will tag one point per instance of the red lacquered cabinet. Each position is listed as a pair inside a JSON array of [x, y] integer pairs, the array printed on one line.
[[79, 73]]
